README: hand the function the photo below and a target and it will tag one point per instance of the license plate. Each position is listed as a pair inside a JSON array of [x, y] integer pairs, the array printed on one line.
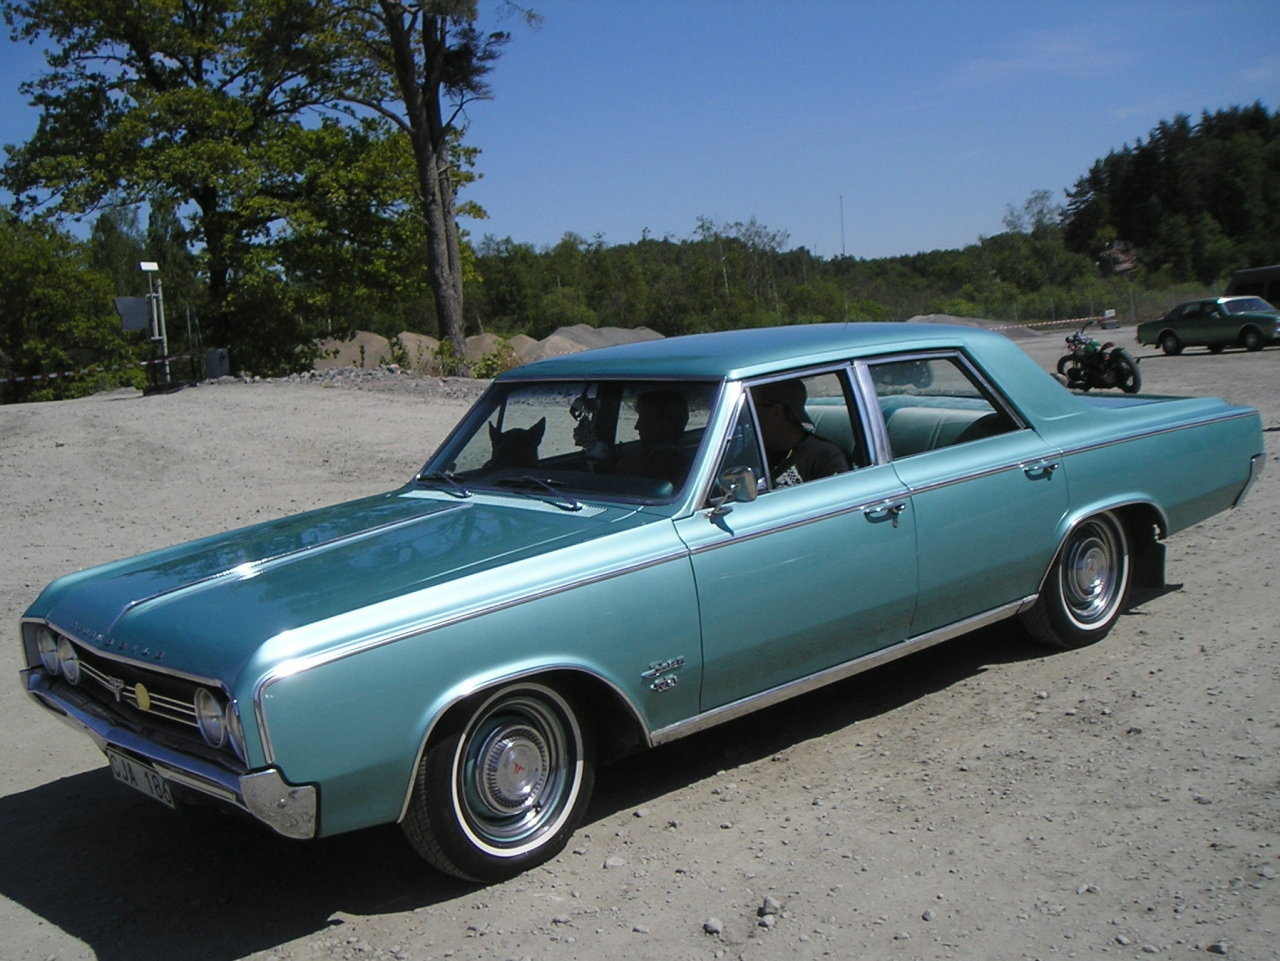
[[140, 777]]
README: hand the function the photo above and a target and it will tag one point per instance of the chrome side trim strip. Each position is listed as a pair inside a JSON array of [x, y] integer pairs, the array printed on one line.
[[840, 672], [895, 492], [979, 474], [1157, 431], [301, 665]]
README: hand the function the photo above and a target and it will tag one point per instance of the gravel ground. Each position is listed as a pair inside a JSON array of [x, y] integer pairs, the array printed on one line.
[[984, 800]]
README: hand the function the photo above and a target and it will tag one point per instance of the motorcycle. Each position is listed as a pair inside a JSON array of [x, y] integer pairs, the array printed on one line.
[[1088, 363]]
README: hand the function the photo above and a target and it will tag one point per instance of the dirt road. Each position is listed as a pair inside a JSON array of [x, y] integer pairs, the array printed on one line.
[[984, 800]]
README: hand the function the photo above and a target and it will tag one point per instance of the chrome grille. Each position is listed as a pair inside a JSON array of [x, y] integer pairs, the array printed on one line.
[[177, 709]]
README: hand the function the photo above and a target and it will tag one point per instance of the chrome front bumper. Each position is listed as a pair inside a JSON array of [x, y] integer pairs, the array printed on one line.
[[285, 808]]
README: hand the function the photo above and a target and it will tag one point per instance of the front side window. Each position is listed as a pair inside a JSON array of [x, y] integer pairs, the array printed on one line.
[[630, 440], [934, 402], [788, 413]]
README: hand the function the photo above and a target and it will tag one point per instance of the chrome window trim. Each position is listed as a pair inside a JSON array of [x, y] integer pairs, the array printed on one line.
[[831, 675], [874, 415], [842, 369]]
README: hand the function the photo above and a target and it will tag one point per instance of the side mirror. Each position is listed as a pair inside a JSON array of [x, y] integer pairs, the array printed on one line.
[[739, 484]]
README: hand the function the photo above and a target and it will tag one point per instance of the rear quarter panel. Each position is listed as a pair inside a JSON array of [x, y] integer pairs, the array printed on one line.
[[1190, 457]]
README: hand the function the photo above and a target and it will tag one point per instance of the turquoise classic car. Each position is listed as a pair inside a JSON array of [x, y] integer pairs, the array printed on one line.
[[614, 549]]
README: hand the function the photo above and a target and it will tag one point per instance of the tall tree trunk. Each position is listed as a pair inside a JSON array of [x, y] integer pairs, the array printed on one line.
[[431, 155]]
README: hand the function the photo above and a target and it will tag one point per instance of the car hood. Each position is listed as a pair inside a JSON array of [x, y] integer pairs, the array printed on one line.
[[204, 607]]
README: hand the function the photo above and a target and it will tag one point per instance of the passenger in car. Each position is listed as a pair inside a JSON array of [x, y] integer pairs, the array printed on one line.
[[796, 454], [661, 417]]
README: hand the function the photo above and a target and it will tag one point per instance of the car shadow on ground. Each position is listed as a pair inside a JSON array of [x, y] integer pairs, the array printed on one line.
[[135, 881]]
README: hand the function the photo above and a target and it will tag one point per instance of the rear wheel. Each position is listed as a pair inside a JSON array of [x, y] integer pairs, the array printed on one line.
[[1170, 344], [1087, 586], [503, 787]]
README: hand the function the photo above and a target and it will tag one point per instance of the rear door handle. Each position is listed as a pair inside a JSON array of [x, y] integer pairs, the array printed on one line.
[[1041, 469], [884, 512]]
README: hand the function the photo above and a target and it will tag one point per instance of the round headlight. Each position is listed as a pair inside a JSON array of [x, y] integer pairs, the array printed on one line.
[[68, 661], [210, 719], [47, 645]]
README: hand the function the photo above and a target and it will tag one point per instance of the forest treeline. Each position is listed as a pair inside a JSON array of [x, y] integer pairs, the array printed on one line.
[[1167, 217]]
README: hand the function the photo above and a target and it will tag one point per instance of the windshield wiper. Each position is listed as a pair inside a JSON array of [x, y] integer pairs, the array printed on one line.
[[443, 477], [563, 501]]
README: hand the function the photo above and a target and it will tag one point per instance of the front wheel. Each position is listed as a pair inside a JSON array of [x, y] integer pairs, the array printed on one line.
[[1086, 587], [1170, 344], [1251, 339], [503, 787], [1125, 370]]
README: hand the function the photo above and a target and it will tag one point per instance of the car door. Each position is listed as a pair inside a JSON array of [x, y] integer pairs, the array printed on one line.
[[806, 577], [986, 492], [1185, 323]]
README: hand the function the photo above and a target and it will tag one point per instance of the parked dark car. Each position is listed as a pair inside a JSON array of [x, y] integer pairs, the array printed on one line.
[[1216, 323]]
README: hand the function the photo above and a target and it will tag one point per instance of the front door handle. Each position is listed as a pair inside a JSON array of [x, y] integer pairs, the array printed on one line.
[[1041, 469], [885, 512]]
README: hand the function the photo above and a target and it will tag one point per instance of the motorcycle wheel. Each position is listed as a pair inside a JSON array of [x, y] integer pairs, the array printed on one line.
[[1125, 371]]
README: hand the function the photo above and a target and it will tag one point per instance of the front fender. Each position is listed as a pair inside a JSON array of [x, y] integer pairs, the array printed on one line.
[[357, 725]]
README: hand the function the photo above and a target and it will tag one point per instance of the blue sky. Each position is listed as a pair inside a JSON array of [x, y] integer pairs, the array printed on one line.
[[923, 120]]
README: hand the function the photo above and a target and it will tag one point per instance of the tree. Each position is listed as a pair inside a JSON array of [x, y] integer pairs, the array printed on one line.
[[1193, 199], [57, 318], [418, 65], [207, 107]]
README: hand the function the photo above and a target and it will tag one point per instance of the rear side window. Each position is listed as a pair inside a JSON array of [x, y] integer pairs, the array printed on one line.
[[934, 402]]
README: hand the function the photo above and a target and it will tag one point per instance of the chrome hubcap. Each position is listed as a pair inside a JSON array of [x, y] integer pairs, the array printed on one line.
[[518, 770], [1093, 573], [513, 769]]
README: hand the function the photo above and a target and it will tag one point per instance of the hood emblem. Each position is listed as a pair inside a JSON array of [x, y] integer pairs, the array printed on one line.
[[143, 697]]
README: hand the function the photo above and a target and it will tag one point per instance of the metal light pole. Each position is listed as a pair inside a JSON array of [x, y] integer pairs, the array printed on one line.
[[155, 294]]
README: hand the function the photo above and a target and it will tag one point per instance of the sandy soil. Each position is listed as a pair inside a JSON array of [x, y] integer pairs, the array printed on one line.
[[984, 800]]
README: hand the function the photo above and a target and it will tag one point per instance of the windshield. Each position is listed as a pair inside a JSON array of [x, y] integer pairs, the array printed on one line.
[[1246, 305], [632, 441]]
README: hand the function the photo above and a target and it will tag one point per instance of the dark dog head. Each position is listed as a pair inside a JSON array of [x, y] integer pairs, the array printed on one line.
[[517, 447]]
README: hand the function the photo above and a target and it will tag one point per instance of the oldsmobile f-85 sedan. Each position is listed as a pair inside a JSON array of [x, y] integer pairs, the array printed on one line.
[[614, 549]]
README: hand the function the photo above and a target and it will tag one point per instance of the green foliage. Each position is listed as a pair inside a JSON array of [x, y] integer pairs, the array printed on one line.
[[448, 360], [302, 219], [58, 318], [1195, 200], [502, 357]]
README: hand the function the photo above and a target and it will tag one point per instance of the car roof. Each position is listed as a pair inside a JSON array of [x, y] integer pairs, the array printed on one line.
[[735, 354]]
